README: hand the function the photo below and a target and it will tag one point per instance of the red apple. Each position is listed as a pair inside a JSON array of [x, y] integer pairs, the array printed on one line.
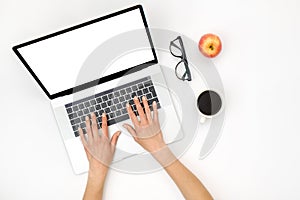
[[210, 45]]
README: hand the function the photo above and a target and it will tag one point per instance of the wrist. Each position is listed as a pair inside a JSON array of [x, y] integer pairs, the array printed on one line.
[[164, 156]]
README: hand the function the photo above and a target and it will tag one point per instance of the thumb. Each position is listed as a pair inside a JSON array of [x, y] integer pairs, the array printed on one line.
[[114, 138], [130, 129]]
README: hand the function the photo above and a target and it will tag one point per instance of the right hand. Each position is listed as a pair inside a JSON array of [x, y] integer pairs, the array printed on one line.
[[146, 131]]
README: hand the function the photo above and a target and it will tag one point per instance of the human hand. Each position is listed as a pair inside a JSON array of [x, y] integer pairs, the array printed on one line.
[[99, 149], [145, 132]]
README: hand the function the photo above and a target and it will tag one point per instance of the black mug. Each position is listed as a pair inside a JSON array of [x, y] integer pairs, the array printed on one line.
[[210, 104]]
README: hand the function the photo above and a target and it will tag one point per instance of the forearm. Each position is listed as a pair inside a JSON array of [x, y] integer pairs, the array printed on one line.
[[94, 187], [189, 185]]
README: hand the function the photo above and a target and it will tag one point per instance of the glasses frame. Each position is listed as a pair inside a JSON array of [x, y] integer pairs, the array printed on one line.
[[187, 74]]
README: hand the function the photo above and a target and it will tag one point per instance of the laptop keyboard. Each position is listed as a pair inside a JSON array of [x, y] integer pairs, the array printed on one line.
[[112, 102]]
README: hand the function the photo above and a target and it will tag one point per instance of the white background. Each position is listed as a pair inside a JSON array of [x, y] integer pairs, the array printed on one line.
[[257, 156]]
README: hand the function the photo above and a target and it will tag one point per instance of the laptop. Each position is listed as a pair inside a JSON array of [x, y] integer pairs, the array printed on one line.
[[58, 61]]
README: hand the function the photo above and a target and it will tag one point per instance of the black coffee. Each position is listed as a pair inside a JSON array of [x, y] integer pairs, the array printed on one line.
[[209, 102]]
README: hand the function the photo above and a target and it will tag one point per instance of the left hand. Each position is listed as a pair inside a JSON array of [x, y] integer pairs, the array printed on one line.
[[99, 149]]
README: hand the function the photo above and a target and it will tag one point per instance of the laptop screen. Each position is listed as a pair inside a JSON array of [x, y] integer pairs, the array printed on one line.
[[56, 60]]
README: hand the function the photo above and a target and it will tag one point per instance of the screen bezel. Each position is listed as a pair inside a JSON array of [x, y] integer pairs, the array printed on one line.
[[101, 79]]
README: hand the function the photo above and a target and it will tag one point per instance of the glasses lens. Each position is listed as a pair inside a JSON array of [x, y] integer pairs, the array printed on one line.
[[181, 71], [175, 48]]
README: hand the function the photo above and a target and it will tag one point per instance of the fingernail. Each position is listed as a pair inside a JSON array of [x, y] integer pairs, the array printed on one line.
[[93, 114], [154, 102], [86, 117], [144, 98], [135, 97], [119, 133], [127, 105], [124, 125], [103, 114]]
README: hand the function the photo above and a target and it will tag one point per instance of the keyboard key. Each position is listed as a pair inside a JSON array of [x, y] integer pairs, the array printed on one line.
[[76, 133], [81, 106], [97, 114], [122, 99], [82, 125], [111, 115], [156, 99], [104, 98], [148, 96], [116, 101], [118, 119], [75, 127], [117, 94], [87, 104], [124, 104], [99, 120], [75, 108], [133, 95], [77, 120], [73, 122], [127, 96], [131, 102], [107, 110], [145, 91], [119, 106], [93, 102], [110, 96], [134, 107], [148, 83], [104, 105], [113, 108], [71, 116], [109, 102], [92, 109], [80, 113], [101, 112], [128, 90], [134, 88], [98, 107], [83, 119], [69, 110], [86, 111], [123, 92], [152, 90], [140, 86], [99, 100], [158, 105], [139, 93], [124, 111], [118, 113]]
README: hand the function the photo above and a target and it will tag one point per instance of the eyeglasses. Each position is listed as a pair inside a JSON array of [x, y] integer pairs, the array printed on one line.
[[182, 69]]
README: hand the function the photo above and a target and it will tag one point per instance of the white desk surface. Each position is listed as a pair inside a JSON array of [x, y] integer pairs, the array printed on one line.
[[257, 156]]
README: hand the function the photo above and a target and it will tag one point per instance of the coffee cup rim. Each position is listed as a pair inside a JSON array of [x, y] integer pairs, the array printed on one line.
[[222, 103]]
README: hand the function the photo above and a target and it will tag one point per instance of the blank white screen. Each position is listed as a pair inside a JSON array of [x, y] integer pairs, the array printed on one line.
[[56, 61]]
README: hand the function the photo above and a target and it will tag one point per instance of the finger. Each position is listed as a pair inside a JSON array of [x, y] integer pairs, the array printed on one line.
[[104, 125], [155, 112], [130, 129], [132, 116], [94, 126], [114, 138], [147, 109], [88, 128], [83, 140], [140, 111]]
